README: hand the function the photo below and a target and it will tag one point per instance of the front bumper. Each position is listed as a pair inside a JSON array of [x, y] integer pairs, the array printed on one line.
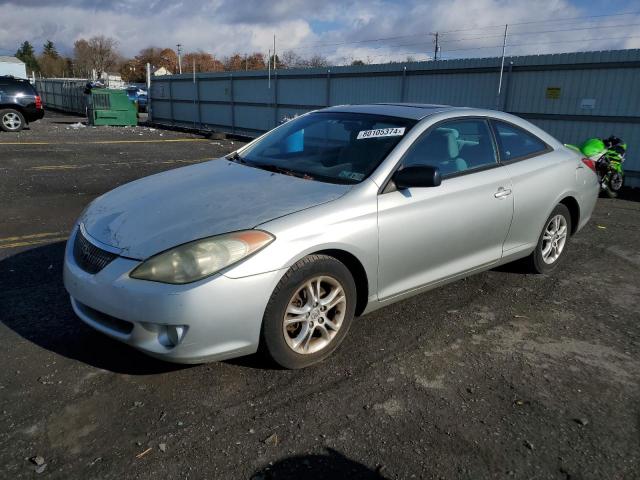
[[222, 316]]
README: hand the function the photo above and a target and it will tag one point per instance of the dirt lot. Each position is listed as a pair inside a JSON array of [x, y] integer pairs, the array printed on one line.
[[501, 375]]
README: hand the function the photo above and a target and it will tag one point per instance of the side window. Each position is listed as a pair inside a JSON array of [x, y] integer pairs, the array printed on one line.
[[515, 143], [8, 88], [454, 146]]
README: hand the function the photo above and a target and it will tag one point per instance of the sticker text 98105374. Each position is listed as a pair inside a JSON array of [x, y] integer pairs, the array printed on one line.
[[381, 132]]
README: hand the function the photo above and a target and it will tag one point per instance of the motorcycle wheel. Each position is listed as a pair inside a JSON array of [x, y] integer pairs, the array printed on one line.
[[610, 193], [615, 182]]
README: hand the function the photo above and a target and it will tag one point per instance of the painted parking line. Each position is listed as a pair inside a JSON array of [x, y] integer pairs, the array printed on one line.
[[109, 142], [115, 164], [32, 239]]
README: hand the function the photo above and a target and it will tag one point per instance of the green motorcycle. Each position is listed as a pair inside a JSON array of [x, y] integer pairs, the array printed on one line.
[[607, 156]]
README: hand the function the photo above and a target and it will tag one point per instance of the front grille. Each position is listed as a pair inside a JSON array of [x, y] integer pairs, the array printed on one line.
[[89, 257]]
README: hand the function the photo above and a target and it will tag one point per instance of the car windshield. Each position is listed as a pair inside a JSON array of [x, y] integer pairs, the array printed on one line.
[[327, 146]]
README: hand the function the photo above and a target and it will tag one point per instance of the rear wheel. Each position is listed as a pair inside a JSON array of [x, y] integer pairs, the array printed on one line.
[[552, 241], [11, 120], [615, 181], [309, 313]]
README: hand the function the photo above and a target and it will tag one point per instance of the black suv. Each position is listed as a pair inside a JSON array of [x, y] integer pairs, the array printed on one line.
[[19, 104]]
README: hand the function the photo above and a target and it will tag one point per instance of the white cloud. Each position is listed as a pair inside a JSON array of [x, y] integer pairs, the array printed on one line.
[[223, 27]]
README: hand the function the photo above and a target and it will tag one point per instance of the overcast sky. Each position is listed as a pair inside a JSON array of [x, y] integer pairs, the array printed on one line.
[[339, 30]]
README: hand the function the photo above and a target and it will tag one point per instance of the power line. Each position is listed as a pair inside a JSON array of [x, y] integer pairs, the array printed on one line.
[[446, 51], [352, 42], [445, 41]]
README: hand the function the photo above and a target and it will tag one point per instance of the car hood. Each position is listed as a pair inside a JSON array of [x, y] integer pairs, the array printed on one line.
[[155, 213]]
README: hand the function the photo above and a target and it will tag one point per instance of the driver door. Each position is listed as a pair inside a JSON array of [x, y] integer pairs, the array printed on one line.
[[429, 234]]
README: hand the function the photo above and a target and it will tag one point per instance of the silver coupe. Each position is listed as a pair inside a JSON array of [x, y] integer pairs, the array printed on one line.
[[336, 213]]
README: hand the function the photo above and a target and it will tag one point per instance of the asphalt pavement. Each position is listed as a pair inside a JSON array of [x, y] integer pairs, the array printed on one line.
[[501, 375]]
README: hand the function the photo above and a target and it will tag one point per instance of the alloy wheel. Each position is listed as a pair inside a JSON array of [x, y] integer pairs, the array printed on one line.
[[11, 120], [554, 239], [314, 314]]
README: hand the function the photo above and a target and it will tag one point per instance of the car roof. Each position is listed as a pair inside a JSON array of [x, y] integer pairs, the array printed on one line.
[[414, 111], [11, 78]]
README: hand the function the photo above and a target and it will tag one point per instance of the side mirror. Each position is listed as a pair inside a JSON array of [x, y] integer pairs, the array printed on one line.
[[417, 176]]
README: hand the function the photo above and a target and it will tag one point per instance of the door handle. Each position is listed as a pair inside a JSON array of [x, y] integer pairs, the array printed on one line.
[[502, 192]]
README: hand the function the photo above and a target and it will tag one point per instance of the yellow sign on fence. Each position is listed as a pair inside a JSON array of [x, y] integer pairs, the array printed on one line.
[[553, 93]]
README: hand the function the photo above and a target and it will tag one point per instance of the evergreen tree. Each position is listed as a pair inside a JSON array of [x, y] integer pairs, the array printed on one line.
[[49, 49], [27, 55]]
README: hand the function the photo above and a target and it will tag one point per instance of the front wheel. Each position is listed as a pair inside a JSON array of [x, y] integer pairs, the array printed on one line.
[[11, 120], [552, 241], [309, 313]]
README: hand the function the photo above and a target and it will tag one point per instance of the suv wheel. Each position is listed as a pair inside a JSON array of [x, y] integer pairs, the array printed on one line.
[[11, 120]]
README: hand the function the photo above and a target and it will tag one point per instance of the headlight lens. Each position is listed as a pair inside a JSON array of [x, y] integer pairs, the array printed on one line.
[[196, 260]]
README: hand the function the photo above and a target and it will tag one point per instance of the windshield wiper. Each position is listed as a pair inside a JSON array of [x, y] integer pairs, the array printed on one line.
[[269, 167], [285, 171], [235, 157]]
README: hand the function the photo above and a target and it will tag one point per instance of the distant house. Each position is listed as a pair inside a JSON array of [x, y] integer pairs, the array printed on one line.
[[162, 71], [112, 80], [12, 66]]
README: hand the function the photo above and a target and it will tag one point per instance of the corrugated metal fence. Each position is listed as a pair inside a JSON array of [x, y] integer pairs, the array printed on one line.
[[66, 95], [573, 96]]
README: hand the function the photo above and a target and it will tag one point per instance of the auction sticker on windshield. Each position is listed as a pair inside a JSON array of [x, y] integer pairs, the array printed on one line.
[[381, 132]]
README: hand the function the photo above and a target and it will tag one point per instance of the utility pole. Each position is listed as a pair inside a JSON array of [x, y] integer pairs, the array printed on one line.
[[504, 47], [274, 54], [269, 63], [437, 47], [179, 45]]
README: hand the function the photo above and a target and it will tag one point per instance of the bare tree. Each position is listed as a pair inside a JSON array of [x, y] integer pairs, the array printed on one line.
[[104, 52], [317, 61], [98, 53], [291, 59]]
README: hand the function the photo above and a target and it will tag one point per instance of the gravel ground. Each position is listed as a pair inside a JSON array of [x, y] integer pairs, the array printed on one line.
[[501, 375]]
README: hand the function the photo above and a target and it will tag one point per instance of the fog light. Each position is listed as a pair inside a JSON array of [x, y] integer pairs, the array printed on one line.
[[175, 334]]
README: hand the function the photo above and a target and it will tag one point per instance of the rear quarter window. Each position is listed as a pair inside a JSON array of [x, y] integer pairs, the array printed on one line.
[[515, 143], [13, 88]]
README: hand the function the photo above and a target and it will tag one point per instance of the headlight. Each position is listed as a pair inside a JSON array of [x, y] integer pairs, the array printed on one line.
[[199, 259]]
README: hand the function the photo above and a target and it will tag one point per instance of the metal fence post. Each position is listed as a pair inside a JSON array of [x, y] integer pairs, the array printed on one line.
[[275, 98], [196, 100], [233, 104], [403, 84], [328, 102], [170, 80], [507, 82]]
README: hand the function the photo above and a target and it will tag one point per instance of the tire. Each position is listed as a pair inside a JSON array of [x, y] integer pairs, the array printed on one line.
[[321, 328], [543, 260], [11, 120], [615, 182]]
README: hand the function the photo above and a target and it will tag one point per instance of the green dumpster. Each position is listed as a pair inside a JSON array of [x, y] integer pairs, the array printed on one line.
[[111, 107]]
